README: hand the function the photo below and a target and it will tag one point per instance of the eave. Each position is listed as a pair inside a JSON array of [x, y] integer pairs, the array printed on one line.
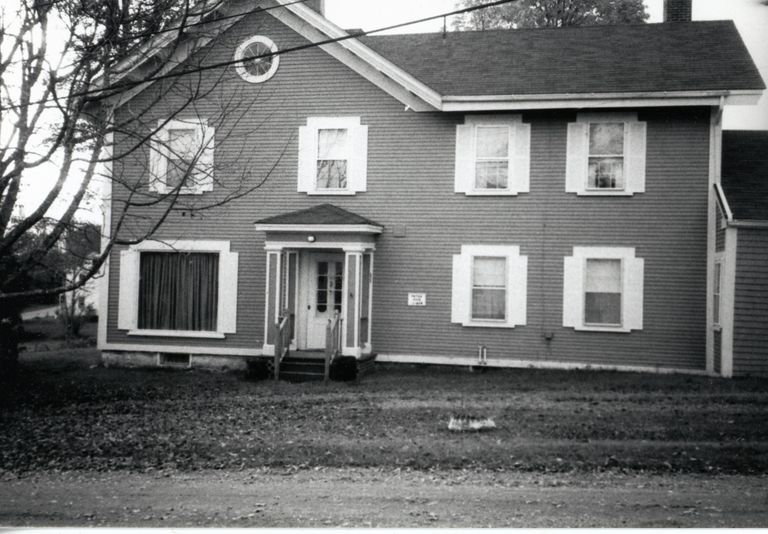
[[321, 228]]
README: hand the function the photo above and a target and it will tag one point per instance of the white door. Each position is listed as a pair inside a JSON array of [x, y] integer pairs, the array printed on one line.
[[325, 290]]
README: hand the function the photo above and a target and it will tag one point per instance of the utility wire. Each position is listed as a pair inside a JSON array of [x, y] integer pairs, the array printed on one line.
[[122, 86]]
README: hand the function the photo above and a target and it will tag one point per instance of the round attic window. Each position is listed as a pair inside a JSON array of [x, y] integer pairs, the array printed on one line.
[[262, 66]]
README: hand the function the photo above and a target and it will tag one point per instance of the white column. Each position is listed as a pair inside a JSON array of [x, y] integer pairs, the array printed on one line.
[[353, 271]]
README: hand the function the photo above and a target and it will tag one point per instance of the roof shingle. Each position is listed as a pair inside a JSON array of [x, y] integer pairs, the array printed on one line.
[[321, 214], [688, 56]]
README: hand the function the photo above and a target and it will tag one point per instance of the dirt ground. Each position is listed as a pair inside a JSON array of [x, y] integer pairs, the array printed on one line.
[[371, 497]]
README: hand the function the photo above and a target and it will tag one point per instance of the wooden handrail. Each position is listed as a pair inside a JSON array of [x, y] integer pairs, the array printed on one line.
[[333, 333], [283, 331]]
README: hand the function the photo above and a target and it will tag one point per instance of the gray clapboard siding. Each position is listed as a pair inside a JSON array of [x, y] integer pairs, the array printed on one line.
[[410, 182], [750, 324]]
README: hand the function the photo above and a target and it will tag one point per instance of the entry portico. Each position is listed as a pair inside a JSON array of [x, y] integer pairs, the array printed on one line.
[[319, 263]]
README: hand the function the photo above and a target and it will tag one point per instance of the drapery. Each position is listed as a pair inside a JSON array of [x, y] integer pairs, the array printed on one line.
[[178, 291]]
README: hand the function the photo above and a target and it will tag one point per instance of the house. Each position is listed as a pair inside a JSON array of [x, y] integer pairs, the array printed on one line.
[[741, 264], [459, 198]]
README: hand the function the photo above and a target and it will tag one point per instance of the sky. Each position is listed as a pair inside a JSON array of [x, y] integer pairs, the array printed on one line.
[[750, 16]]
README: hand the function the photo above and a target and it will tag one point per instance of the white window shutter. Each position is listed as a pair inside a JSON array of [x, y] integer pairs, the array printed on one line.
[[577, 154], [157, 162], [635, 156], [633, 293], [358, 159], [228, 262], [573, 291], [462, 291], [520, 162], [517, 290], [204, 168], [307, 164], [465, 158], [128, 292]]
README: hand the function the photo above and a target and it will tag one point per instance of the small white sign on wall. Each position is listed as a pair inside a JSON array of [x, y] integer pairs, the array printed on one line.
[[417, 299]]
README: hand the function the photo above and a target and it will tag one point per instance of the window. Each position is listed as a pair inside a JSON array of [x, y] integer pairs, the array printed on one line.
[[181, 157], [333, 156], [493, 155], [602, 293], [606, 154], [330, 285], [179, 289], [603, 289], [256, 59], [716, 292], [489, 286]]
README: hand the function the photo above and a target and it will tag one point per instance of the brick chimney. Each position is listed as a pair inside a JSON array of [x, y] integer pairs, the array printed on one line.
[[316, 5], [677, 10]]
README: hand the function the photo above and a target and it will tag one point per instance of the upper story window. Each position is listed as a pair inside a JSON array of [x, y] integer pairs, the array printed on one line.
[[257, 59], [333, 156], [489, 286], [181, 157], [606, 154], [493, 155], [603, 289]]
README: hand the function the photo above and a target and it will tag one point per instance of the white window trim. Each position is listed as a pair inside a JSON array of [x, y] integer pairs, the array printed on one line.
[[516, 285], [158, 156], [579, 183], [128, 305], [518, 155], [632, 289], [357, 163], [240, 53]]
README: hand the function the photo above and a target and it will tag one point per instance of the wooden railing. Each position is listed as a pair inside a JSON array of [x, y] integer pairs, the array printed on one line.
[[332, 342], [283, 332]]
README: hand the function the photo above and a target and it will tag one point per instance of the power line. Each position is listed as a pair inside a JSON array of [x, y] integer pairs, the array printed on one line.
[[119, 87]]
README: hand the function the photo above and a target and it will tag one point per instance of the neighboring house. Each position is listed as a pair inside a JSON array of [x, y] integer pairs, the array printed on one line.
[[741, 257], [539, 198]]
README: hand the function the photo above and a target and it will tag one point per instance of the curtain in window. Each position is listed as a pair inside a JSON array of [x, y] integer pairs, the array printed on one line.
[[178, 291]]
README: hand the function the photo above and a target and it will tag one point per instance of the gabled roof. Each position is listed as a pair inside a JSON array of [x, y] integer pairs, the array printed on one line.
[[323, 214], [745, 174], [693, 63], [634, 58]]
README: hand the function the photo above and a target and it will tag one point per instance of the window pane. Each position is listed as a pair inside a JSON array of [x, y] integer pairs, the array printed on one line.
[[606, 173], [332, 143], [606, 138], [604, 276], [331, 174], [178, 291], [489, 304], [491, 174], [492, 142], [489, 272], [181, 142], [602, 308], [259, 65]]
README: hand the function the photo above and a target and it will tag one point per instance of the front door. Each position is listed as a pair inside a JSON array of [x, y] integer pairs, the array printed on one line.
[[324, 295]]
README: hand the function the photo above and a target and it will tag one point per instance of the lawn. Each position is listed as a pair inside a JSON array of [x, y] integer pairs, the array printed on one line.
[[64, 413]]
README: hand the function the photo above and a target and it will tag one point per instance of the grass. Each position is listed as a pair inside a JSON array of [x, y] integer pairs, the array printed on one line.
[[64, 412]]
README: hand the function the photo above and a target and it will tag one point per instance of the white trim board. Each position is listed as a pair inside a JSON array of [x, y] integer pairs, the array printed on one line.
[[321, 228], [533, 364], [181, 349]]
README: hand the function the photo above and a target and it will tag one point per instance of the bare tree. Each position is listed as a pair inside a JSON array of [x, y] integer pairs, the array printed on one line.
[[66, 70], [550, 14]]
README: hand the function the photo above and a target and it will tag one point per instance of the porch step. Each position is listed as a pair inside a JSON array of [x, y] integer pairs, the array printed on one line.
[[302, 368]]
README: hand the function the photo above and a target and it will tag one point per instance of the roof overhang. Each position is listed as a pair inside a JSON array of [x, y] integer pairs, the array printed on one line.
[[598, 100], [321, 228]]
